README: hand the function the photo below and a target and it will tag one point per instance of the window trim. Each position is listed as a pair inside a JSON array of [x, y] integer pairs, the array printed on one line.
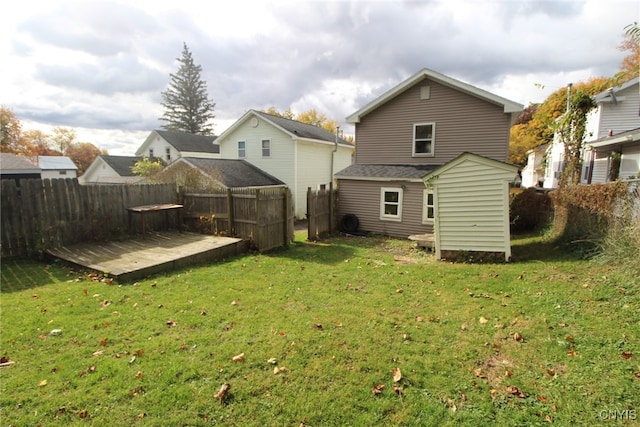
[[268, 148], [425, 206], [389, 217], [167, 153], [242, 152], [433, 140]]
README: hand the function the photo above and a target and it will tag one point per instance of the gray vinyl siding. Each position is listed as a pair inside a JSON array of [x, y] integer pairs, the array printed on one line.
[[463, 123], [622, 116], [362, 198]]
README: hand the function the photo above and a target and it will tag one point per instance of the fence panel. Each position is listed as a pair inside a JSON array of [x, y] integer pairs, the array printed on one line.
[[321, 212], [40, 214]]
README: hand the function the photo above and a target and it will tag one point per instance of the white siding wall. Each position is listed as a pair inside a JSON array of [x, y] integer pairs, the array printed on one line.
[[54, 174], [472, 208], [159, 146]]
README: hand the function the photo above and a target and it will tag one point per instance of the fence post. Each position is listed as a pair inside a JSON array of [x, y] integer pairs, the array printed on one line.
[[331, 207], [230, 219], [285, 216]]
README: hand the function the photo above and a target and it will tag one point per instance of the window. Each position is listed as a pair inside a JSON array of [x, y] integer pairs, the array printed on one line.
[[151, 153], [63, 172], [428, 209], [168, 153], [242, 150], [391, 204], [266, 148], [423, 139]]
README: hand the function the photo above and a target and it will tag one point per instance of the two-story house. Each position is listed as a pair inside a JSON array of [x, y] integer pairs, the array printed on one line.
[[171, 145], [612, 140], [612, 143], [299, 154], [415, 127]]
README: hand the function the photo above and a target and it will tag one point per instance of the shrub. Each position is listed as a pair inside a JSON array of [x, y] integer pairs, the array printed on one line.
[[530, 209]]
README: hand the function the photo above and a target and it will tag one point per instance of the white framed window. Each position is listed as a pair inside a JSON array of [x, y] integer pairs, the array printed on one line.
[[167, 152], [391, 204], [423, 139], [151, 153], [428, 207], [242, 149], [266, 148]]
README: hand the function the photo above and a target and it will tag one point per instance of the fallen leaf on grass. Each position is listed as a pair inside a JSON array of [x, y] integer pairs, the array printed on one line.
[[238, 358], [98, 353], [317, 326], [272, 361], [83, 414], [222, 393], [397, 390], [483, 320], [103, 342], [4, 361], [626, 355], [171, 323], [518, 337], [55, 332], [105, 303], [377, 389], [571, 352], [278, 370], [397, 375], [516, 392], [42, 383]]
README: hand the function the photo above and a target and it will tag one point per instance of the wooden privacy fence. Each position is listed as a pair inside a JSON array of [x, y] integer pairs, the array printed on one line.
[[37, 215], [264, 216], [321, 212]]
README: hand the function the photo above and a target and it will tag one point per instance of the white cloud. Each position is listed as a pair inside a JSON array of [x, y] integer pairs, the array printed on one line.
[[100, 66]]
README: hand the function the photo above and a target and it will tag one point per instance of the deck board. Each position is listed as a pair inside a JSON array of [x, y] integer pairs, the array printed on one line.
[[159, 251]]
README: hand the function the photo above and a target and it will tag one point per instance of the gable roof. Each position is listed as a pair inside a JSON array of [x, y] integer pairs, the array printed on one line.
[[56, 163], [189, 142], [121, 164], [507, 168], [609, 94], [294, 128], [12, 164], [183, 142], [232, 173], [508, 106], [385, 172]]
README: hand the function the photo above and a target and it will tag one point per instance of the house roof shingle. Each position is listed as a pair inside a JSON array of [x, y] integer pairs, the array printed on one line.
[[56, 163], [121, 164], [303, 130], [233, 173], [189, 142], [10, 163], [374, 171]]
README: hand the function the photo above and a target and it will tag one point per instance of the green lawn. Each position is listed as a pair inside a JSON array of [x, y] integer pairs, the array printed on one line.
[[318, 333]]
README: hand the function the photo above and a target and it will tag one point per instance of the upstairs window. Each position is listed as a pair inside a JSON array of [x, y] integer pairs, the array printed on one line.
[[151, 153], [266, 148], [168, 153], [423, 139], [242, 149], [391, 204]]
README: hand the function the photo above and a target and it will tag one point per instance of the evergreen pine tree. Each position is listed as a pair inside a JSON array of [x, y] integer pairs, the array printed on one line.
[[187, 105]]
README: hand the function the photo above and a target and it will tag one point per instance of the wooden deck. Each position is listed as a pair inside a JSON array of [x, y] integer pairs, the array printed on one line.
[[159, 251]]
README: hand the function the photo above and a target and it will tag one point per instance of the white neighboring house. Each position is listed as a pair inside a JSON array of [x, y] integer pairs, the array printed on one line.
[[613, 135], [171, 145], [533, 172], [301, 155], [111, 170], [54, 167], [612, 140]]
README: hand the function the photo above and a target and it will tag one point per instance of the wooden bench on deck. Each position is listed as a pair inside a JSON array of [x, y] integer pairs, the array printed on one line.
[[143, 210]]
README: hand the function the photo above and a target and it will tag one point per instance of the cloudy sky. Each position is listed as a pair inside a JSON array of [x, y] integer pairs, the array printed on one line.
[[99, 66]]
